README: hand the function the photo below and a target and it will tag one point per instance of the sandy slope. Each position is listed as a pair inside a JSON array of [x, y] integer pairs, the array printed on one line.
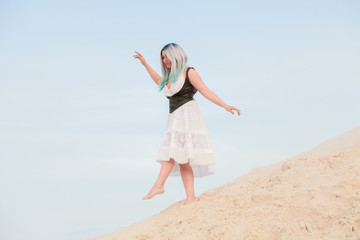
[[314, 195]]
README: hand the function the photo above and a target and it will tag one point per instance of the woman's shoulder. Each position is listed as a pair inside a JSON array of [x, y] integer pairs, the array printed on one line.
[[190, 69], [191, 74]]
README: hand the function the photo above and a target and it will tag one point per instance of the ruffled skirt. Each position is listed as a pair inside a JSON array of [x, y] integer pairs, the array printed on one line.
[[187, 140]]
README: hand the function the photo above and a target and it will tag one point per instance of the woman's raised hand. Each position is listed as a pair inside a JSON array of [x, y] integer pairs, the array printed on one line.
[[140, 57], [231, 108], [153, 74]]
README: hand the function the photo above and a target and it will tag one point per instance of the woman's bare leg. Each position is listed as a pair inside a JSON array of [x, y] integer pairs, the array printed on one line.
[[187, 176], [158, 188]]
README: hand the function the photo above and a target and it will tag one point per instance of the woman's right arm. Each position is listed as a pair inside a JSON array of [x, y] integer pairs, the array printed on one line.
[[154, 75]]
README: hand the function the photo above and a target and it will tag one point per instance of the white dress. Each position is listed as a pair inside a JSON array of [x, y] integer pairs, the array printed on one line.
[[186, 138]]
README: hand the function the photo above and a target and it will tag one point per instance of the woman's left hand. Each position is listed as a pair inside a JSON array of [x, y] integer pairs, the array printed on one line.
[[231, 108]]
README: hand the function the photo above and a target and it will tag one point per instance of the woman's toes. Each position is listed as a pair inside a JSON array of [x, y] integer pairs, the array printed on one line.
[[153, 192]]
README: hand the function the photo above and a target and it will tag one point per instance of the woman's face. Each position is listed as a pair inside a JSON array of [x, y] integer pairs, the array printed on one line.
[[166, 61]]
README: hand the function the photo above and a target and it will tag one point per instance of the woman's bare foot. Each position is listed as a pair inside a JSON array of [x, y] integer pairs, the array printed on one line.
[[153, 192], [189, 201]]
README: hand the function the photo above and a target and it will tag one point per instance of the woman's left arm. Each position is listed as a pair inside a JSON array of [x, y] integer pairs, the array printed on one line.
[[197, 82]]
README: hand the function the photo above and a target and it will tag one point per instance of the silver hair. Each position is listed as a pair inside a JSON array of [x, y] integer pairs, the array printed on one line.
[[178, 59]]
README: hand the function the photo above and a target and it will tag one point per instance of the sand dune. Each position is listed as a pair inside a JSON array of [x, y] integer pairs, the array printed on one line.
[[314, 195]]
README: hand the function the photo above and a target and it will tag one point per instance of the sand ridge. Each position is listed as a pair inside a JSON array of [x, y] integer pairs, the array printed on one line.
[[314, 195]]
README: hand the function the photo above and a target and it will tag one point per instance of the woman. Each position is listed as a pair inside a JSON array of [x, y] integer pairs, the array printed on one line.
[[186, 148]]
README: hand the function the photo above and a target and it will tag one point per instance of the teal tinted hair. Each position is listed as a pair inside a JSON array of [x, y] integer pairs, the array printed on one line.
[[178, 59], [172, 77]]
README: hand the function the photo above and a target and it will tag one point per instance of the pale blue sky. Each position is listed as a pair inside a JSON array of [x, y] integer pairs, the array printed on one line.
[[81, 121]]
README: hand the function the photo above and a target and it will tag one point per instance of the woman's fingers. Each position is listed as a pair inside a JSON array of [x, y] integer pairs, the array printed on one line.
[[231, 108], [138, 55], [238, 111]]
